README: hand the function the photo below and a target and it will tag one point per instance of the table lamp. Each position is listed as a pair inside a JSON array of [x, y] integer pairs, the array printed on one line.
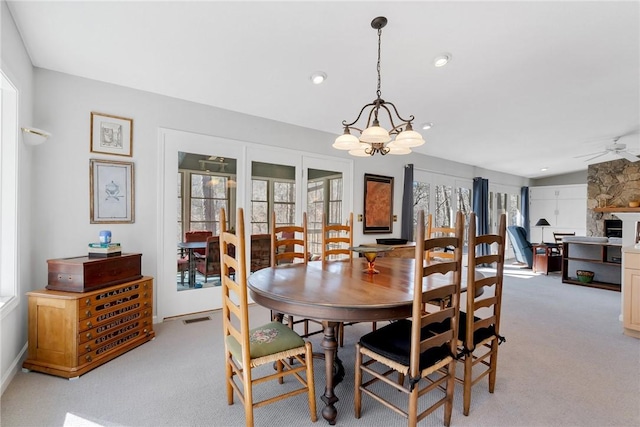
[[542, 222]]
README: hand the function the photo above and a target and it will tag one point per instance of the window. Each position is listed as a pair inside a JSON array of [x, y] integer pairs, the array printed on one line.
[[259, 206], [208, 196], [421, 197], [8, 193]]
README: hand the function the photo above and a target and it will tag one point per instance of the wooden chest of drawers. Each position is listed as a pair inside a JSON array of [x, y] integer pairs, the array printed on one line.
[[71, 333]]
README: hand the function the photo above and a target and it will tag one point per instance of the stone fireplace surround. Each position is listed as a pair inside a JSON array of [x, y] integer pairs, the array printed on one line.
[[610, 188]]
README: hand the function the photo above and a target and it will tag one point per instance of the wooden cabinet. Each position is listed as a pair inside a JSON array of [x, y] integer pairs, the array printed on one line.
[[71, 333], [605, 260], [631, 292]]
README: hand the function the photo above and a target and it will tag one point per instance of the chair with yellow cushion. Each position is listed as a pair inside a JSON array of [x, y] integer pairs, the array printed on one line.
[[246, 348]]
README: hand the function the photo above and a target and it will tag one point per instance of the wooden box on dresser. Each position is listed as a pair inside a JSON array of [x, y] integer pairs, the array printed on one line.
[[631, 292], [71, 333]]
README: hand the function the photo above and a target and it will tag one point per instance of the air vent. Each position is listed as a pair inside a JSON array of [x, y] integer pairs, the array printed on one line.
[[197, 319]]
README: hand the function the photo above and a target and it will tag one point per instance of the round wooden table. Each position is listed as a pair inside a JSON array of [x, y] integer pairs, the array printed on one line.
[[338, 291]]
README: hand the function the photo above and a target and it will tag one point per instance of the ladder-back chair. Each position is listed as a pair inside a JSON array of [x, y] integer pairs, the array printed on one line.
[[288, 246], [410, 347], [479, 331], [337, 239], [247, 348], [432, 231]]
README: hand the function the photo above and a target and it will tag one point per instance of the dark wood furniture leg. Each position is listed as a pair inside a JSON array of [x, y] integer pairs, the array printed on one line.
[[192, 268], [334, 371]]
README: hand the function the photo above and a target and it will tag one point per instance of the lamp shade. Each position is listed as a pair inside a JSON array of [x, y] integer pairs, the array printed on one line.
[[542, 222], [409, 138], [33, 136], [397, 149], [346, 141], [375, 134]]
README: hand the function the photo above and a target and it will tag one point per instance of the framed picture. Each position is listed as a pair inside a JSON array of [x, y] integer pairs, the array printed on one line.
[[112, 197], [111, 134], [378, 204]]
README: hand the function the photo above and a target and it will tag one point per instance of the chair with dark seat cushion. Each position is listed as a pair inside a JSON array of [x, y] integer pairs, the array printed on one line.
[[522, 248], [412, 347], [479, 331]]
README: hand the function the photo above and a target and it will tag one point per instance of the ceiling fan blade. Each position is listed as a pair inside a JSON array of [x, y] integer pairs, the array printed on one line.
[[627, 155], [595, 157], [590, 154]]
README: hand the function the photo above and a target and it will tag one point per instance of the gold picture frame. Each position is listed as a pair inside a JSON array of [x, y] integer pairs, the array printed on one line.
[[111, 192], [111, 135], [378, 204]]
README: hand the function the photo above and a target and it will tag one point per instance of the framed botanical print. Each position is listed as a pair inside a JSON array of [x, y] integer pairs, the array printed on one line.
[[378, 204], [111, 135], [111, 192]]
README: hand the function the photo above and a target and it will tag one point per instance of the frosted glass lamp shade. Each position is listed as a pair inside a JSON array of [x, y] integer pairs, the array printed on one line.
[[409, 138], [33, 136], [360, 150], [375, 134], [346, 141], [396, 149]]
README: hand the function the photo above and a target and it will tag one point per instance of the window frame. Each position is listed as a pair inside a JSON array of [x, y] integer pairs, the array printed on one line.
[[9, 197]]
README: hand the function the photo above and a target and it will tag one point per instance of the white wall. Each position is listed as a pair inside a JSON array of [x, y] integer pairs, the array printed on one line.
[[56, 174], [17, 66]]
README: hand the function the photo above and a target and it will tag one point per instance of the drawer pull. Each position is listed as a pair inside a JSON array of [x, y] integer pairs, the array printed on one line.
[[89, 325], [87, 347], [88, 302], [88, 358], [89, 335], [87, 313]]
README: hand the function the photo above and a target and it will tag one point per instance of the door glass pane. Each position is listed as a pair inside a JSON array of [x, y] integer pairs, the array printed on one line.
[[421, 195], [324, 195], [206, 183], [444, 206], [259, 206]]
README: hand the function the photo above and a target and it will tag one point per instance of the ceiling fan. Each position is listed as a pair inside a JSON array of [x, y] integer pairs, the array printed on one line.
[[616, 148]]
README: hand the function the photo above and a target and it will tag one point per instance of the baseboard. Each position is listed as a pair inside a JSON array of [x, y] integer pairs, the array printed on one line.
[[11, 372]]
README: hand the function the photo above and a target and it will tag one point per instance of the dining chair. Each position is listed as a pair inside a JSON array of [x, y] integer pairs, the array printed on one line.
[[409, 346], [288, 246], [432, 231], [197, 236], [183, 265], [479, 332], [337, 241], [246, 348], [209, 265]]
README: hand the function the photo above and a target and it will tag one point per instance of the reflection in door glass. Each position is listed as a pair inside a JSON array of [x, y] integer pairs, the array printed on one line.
[[206, 184]]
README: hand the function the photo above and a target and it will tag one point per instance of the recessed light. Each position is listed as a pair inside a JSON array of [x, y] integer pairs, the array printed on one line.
[[426, 126], [442, 59], [318, 77], [544, 169]]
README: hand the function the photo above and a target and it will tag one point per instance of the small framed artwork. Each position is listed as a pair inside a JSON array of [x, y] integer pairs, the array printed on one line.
[[111, 135], [378, 204], [112, 192]]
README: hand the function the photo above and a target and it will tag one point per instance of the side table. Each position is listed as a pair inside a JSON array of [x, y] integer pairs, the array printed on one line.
[[547, 257]]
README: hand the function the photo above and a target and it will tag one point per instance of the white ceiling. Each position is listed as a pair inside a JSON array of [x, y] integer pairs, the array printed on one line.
[[531, 84]]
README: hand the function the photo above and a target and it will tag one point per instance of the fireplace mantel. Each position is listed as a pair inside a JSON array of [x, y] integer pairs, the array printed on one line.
[[615, 210]]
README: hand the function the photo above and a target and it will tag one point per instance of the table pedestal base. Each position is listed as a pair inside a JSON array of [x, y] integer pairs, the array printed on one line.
[[333, 370]]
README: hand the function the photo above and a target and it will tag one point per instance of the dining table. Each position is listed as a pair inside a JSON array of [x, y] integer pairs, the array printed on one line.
[[191, 247], [340, 291]]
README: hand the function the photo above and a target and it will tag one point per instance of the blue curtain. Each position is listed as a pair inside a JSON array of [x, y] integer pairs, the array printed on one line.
[[481, 208], [524, 210], [407, 204]]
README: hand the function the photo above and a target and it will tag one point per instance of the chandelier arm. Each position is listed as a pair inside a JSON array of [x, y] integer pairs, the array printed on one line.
[[411, 117], [372, 104]]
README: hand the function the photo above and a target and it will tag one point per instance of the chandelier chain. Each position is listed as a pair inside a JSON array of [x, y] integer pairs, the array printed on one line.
[[378, 91]]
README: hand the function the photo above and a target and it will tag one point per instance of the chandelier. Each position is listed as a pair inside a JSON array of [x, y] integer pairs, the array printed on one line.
[[374, 138]]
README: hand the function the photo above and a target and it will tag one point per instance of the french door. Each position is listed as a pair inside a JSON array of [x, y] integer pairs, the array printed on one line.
[[258, 178]]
